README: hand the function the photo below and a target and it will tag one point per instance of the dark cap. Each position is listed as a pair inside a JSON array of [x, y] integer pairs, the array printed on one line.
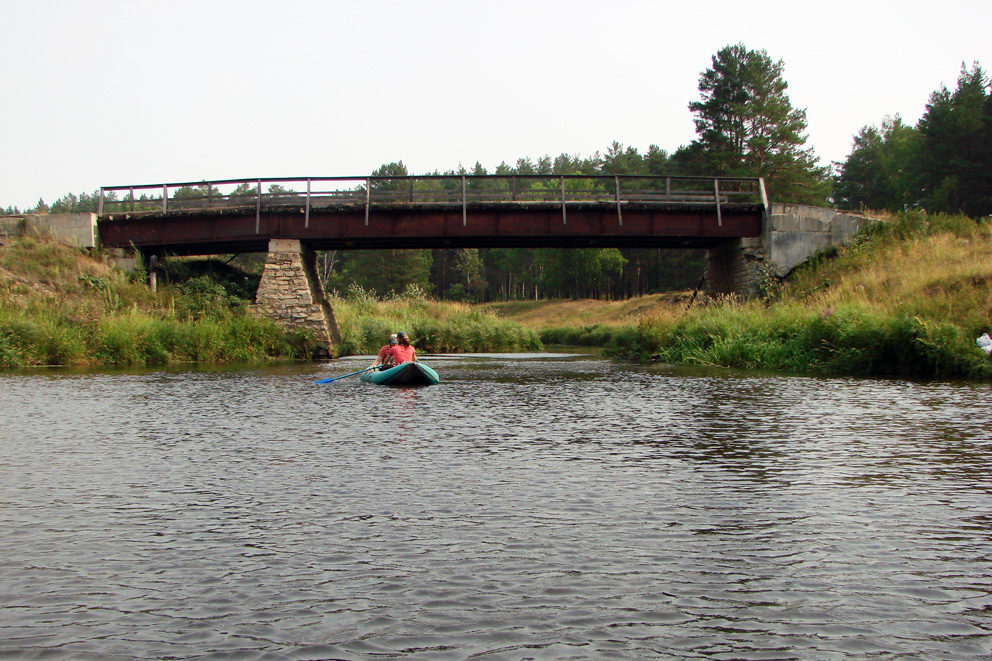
[[401, 334], [393, 340]]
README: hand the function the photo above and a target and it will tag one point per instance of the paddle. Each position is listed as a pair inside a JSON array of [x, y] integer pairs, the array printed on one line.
[[344, 375]]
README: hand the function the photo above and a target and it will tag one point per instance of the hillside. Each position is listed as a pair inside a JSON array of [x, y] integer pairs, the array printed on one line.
[[65, 306], [558, 313], [908, 297]]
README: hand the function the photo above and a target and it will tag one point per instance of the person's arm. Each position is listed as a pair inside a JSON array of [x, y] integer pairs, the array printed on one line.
[[414, 354]]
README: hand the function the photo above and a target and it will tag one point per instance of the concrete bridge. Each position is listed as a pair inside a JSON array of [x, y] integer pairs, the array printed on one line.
[[290, 218]]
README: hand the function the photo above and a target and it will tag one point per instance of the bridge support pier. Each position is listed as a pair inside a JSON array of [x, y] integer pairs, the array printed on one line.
[[290, 292], [735, 267]]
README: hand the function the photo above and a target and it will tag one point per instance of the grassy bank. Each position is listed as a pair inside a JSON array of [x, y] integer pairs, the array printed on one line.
[[907, 297], [63, 306], [434, 326]]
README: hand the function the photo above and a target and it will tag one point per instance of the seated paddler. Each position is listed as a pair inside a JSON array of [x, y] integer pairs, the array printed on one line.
[[403, 351], [385, 359]]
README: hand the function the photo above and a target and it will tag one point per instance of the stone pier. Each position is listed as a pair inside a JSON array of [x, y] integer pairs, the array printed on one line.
[[735, 267], [290, 292]]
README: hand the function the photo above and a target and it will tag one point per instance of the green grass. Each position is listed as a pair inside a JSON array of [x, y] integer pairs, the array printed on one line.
[[434, 326], [907, 297], [63, 306]]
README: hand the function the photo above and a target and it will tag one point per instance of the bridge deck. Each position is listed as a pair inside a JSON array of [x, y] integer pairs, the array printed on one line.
[[418, 212]]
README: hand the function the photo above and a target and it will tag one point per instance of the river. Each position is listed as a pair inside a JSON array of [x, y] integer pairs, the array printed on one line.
[[530, 506]]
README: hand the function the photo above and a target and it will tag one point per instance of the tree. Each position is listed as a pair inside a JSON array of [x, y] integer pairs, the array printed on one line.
[[71, 203], [384, 271], [571, 273], [394, 169], [880, 172], [244, 190], [954, 158], [748, 127], [620, 160]]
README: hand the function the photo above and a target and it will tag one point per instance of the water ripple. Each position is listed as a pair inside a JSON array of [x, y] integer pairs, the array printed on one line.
[[529, 507]]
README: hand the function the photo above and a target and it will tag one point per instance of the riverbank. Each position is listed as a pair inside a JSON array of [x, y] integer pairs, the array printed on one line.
[[434, 326], [907, 297], [65, 306]]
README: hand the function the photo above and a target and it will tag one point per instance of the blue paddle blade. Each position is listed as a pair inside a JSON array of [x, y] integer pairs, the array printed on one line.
[[335, 378]]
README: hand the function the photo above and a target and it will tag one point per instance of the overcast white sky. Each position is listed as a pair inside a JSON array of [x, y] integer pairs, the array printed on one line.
[[130, 92]]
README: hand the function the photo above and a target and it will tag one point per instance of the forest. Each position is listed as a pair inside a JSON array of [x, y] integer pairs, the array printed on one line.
[[745, 126]]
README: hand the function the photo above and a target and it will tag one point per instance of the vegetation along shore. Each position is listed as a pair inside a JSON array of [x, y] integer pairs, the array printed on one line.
[[907, 297], [64, 306]]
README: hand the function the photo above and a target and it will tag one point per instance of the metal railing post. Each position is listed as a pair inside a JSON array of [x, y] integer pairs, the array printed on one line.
[[513, 188], [668, 186], [368, 199], [764, 195], [258, 206], [99, 205], [411, 191], [616, 180], [165, 199], [564, 218], [131, 204], [716, 196], [464, 203], [306, 219]]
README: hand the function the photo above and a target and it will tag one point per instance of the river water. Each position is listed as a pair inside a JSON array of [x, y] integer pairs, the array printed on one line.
[[530, 506]]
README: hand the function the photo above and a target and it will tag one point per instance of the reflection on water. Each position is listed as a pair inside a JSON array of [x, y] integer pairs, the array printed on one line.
[[530, 506]]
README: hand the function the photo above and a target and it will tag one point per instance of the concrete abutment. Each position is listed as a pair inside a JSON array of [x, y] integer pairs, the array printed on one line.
[[290, 292], [791, 234]]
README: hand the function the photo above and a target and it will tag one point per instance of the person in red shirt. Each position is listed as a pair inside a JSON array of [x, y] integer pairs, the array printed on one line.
[[403, 351], [385, 358]]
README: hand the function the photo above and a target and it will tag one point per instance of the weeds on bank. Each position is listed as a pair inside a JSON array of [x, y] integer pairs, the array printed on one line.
[[62, 306], [434, 326], [906, 297]]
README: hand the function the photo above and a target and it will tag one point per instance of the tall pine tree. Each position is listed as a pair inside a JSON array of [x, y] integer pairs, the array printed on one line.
[[954, 157], [748, 127]]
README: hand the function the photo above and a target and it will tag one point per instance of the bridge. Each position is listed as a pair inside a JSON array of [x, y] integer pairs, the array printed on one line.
[[434, 211], [290, 218]]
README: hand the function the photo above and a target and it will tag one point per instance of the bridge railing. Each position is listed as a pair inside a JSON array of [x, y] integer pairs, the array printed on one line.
[[372, 193]]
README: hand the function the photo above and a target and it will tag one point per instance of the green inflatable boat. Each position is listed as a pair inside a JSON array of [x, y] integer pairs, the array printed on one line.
[[406, 374]]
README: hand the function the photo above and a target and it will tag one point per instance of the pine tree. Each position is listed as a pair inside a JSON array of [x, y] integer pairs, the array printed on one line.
[[748, 127], [954, 133], [880, 171]]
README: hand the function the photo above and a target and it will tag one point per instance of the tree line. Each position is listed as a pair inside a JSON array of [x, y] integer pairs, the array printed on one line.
[[745, 126], [943, 164]]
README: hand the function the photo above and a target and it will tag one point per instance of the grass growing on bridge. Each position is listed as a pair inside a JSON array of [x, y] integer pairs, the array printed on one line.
[[907, 297], [61, 306]]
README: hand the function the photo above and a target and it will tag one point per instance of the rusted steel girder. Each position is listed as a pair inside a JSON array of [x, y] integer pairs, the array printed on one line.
[[442, 226]]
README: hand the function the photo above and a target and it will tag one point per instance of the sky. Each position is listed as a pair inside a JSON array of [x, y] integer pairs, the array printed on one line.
[[104, 93]]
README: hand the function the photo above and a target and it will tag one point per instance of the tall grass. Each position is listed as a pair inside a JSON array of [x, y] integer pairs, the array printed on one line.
[[60, 306], [434, 326], [907, 297]]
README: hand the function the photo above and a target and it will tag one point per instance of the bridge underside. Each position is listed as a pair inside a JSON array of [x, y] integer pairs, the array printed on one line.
[[291, 293], [498, 225]]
